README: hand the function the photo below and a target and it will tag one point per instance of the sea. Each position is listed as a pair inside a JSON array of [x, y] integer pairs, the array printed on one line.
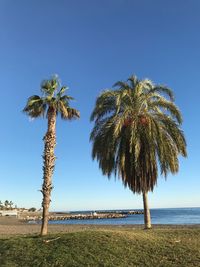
[[181, 216]]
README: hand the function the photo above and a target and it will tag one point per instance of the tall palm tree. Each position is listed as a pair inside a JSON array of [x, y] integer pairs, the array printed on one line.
[[50, 104], [136, 133]]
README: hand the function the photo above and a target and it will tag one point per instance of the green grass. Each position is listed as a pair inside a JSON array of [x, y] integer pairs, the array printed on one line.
[[162, 246]]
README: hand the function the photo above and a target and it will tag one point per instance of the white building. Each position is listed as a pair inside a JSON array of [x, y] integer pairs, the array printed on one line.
[[12, 213]]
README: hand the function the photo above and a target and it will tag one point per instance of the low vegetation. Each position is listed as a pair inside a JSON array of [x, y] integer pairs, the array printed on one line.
[[111, 246], [6, 205]]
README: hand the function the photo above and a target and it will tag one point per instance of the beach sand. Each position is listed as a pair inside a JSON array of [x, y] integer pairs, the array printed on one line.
[[12, 226]]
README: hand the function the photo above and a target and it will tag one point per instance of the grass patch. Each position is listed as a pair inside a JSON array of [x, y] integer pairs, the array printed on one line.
[[105, 247]]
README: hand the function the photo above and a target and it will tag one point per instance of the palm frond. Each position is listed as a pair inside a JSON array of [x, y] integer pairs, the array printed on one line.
[[121, 85], [35, 107], [133, 80], [170, 107], [48, 87], [61, 92], [162, 89], [105, 104], [67, 112]]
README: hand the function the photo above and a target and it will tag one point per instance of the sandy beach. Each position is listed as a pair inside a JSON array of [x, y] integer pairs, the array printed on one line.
[[12, 226]]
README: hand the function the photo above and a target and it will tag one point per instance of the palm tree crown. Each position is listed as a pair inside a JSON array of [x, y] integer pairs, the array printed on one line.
[[137, 126], [53, 99]]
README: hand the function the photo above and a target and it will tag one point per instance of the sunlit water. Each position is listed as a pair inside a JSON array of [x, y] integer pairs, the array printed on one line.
[[158, 216]]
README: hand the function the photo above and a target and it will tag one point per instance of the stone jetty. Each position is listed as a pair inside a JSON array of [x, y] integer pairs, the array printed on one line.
[[82, 216]]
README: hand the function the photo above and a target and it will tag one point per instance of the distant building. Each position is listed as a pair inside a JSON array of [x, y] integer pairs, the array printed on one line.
[[11, 213]]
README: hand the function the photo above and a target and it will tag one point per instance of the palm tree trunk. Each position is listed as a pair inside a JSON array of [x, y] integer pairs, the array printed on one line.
[[48, 168], [147, 216]]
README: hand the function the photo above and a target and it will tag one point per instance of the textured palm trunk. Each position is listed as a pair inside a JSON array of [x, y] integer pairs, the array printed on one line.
[[48, 168], [147, 216]]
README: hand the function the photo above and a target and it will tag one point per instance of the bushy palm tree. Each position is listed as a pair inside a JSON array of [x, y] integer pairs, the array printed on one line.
[[50, 104], [136, 133]]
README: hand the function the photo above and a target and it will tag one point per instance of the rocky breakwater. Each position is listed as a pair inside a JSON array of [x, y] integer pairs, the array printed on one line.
[[82, 216], [89, 216], [135, 212], [126, 212]]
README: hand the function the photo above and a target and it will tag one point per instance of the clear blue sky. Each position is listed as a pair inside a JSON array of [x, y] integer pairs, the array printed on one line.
[[92, 44]]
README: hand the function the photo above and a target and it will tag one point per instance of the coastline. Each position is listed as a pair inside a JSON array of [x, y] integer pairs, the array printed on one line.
[[14, 227]]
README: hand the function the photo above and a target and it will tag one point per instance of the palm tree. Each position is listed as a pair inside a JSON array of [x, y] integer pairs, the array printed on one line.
[[136, 133], [10, 204], [6, 204], [52, 103]]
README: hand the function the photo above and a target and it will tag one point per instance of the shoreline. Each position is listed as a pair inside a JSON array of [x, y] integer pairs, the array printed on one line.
[[14, 227]]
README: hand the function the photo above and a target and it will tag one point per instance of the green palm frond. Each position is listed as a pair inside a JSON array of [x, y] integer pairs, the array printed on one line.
[[168, 107], [164, 90], [66, 98], [67, 112], [48, 87], [121, 85], [33, 99], [72, 113], [61, 92], [105, 104], [133, 81], [35, 107]]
